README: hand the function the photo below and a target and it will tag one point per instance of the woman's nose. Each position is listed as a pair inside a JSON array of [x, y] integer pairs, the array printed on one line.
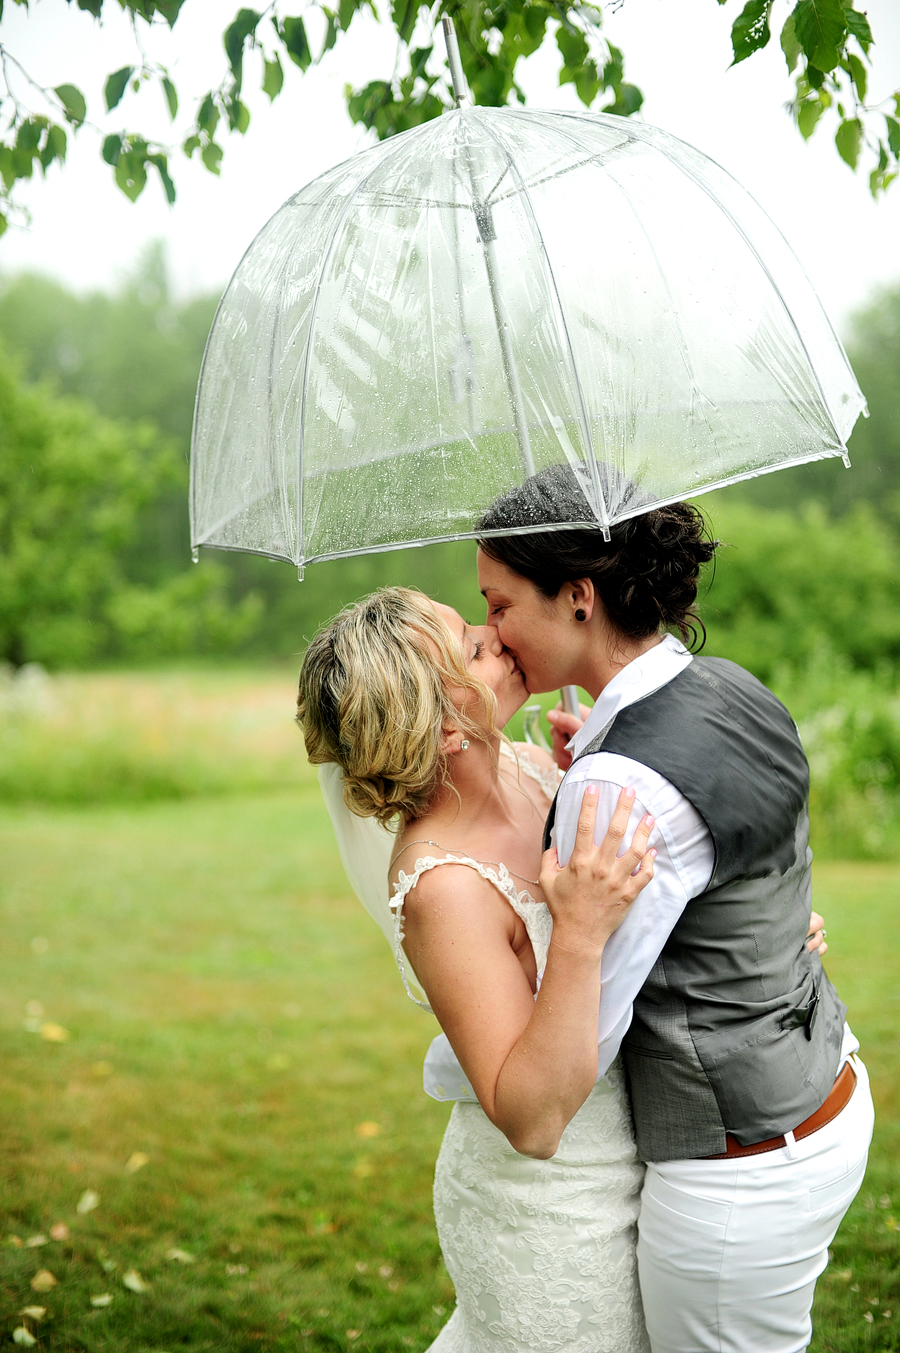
[[491, 640]]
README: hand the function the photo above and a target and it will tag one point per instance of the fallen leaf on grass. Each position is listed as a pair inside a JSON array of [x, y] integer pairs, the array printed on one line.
[[16, 1241], [23, 1336], [353, 1334], [55, 1033], [367, 1129], [43, 1281], [236, 1270], [386, 1271], [104, 1299], [59, 1231], [181, 1256], [34, 1312], [134, 1282], [136, 1161], [35, 1242], [361, 1266], [87, 1202], [869, 1317]]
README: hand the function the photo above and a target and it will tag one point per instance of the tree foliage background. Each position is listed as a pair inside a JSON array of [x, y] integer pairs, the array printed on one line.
[[825, 44], [812, 555]]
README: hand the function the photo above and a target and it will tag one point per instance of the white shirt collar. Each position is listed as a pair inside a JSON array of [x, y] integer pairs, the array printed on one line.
[[647, 673]]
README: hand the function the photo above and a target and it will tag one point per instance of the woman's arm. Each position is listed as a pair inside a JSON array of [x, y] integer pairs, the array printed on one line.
[[532, 1062]]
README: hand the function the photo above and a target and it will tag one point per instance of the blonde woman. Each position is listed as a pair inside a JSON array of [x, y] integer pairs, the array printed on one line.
[[537, 1183]]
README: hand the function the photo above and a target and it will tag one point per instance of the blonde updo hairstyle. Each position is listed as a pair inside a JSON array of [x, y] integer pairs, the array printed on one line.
[[375, 696]]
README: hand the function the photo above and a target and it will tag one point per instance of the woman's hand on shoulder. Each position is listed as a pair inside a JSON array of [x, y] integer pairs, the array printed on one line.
[[590, 898]]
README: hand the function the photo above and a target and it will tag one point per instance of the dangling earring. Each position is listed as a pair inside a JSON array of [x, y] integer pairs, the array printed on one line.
[[580, 614], [464, 745]]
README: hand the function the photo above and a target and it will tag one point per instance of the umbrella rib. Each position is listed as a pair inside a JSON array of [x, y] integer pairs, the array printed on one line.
[[777, 290], [586, 427]]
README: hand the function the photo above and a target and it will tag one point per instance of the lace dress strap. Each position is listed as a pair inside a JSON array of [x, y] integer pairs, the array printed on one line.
[[549, 780], [535, 915]]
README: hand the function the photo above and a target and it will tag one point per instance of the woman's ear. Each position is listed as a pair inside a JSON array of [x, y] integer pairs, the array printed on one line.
[[583, 598], [451, 741]]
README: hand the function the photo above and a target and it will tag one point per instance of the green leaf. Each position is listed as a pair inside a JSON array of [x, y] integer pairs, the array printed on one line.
[[3, 224], [893, 131], [403, 15], [191, 144], [211, 155], [858, 26], [293, 35], [115, 86], [73, 102], [171, 94], [418, 60], [273, 77], [162, 166], [235, 36], [238, 115], [91, 7], [858, 75], [808, 114], [346, 11], [112, 149], [208, 117], [331, 33], [789, 44], [750, 30], [54, 146], [628, 100], [29, 135], [848, 140], [131, 173], [821, 27], [574, 50], [8, 166]]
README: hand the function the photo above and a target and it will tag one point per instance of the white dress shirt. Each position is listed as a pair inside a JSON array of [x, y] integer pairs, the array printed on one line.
[[685, 853], [682, 868]]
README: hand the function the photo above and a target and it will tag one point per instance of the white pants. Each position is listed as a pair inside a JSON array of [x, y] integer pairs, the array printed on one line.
[[729, 1250]]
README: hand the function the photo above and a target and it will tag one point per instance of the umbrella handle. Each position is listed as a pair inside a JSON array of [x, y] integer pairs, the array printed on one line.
[[570, 703]]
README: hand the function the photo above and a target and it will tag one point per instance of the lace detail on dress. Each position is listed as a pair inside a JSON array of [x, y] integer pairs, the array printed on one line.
[[548, 780], [542, 1252], [535, 915]]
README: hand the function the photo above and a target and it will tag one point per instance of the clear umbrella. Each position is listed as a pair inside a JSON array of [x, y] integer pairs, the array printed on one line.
[[493, 292]]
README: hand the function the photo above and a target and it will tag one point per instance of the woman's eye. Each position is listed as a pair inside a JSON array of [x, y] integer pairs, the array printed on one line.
[[479, 649]]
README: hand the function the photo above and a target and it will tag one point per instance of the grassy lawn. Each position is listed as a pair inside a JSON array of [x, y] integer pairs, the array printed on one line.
[[234, 1017]]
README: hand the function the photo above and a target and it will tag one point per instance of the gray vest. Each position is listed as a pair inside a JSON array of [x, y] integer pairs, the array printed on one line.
[[737, 1029]]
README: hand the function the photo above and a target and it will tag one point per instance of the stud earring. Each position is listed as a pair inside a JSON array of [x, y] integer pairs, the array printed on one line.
[[580, 614], [464, 745]]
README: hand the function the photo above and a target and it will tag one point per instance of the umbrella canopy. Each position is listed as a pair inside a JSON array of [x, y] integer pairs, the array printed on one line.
[[494, 292]]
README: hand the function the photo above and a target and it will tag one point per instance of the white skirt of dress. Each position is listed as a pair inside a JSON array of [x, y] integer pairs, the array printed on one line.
[[542, 1252]]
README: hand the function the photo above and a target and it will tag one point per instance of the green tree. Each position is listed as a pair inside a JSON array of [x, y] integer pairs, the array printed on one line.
[[787, 586], [825, 44], [72, 485]]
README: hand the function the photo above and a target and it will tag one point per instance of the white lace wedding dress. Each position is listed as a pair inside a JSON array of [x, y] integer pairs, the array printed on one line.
[[541, 1252]]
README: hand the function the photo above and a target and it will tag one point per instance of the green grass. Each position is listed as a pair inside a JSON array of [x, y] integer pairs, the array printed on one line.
[[235, 1016]]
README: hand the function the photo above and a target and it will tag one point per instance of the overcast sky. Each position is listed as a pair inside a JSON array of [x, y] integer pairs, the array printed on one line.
[[86, 233]]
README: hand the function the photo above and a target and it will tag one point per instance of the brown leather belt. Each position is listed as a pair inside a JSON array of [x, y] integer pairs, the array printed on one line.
[[838, 1098]]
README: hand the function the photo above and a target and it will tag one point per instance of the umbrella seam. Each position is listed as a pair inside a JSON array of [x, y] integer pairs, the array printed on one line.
[[586, 427]]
